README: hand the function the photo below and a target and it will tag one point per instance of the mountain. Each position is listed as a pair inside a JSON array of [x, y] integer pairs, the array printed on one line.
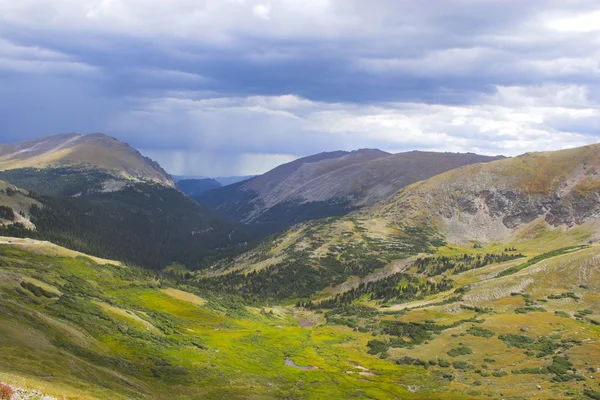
[[396, 300], [97, 195], [328, 184], [230, 180], [493, 201], [480, 282], [94, 151], [223, 180], [194, 187], [525, 198]]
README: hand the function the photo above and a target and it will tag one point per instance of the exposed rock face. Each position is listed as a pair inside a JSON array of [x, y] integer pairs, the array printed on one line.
[[489, 201]]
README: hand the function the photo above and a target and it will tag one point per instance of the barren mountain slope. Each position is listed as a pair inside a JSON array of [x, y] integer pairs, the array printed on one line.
[[330, 184], [94, 150]]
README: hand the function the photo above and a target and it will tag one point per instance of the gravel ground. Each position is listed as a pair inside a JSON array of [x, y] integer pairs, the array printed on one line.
[[22, 394]]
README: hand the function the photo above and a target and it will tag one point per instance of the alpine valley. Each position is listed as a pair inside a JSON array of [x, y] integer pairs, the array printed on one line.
[[340, 275]]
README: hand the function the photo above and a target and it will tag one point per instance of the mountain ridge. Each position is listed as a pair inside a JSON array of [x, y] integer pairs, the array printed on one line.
[[94, 150], [328, 184]]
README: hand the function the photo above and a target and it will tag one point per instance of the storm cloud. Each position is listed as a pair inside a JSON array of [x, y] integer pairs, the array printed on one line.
[[220, 87]]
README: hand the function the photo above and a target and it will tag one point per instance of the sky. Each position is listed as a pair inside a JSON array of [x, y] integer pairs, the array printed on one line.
[[236, 87]]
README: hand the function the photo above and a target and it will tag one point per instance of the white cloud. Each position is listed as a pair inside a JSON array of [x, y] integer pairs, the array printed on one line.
[[274, 79], [584, 22], [262, 11]]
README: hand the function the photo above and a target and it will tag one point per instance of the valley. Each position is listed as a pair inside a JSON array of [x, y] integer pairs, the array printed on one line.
[[97, 330], [480, 281]]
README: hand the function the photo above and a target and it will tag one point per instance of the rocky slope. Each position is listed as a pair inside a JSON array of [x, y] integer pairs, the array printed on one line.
[[549, 195], [487, 202], [15, 201], [97, 151], [329, 184]]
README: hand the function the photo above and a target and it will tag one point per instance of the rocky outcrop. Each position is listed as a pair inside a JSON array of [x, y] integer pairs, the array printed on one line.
[[490, 201]]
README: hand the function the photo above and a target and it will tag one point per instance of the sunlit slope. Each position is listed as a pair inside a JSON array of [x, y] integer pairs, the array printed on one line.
[[96, 150], [487, 202], [72, 327], [19, 202]]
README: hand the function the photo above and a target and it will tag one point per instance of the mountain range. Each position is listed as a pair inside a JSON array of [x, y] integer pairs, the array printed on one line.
[[326, 184], [416, 275]]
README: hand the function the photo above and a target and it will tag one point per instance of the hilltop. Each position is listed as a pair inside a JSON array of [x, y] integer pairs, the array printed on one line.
[[84, 152]]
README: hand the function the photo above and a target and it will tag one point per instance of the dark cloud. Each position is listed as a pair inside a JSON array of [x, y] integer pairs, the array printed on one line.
[[184, 77]]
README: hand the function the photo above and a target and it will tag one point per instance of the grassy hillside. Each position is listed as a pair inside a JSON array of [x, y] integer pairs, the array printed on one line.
[[89, 331], [543, 198], [73, 327]]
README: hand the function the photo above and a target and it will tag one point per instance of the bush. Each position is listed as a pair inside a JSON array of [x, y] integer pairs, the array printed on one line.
[[36, 290], [481, 332], [518, 341], [462, 365], [499, 374], [6, 393], [377, 346], [592, 394], [444, 363], [460, 351], [412, 361]]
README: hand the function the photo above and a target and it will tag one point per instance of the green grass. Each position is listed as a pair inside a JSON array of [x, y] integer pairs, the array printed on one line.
[[129, 336], [538, 258], [113, 333]]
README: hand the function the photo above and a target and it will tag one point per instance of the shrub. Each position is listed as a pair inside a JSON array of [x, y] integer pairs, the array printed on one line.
[[592, 394], [481, 332], [460, 351], [518, 341], [462, 365], [444, 363], [6, 393], [36, 290], [499, 374], [412, 361], [377, 346]]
